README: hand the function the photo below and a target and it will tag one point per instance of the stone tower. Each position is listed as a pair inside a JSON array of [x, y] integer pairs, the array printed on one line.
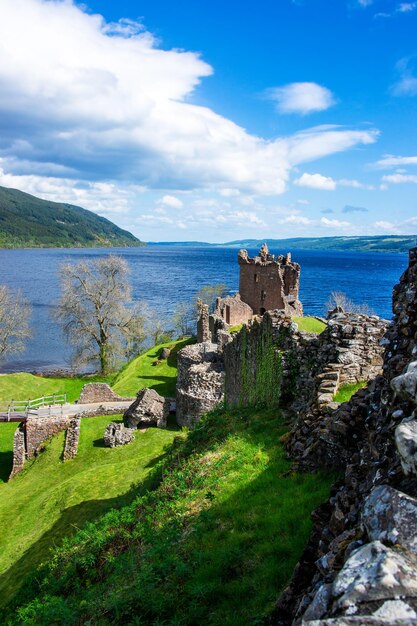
[[268, 282]]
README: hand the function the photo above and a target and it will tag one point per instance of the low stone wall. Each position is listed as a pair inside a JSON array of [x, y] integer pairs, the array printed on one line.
[[19, 451], [98, 392], [200, 385]]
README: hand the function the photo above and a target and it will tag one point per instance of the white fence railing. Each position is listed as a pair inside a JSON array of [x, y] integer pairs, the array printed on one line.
[[23, 408]]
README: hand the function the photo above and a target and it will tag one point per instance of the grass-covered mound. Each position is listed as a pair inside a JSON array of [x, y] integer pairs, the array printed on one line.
[[50, 499], [213, 543], [140, 372], [310, 324]]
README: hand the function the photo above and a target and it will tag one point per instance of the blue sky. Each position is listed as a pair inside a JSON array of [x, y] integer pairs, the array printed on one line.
[[218, 120]]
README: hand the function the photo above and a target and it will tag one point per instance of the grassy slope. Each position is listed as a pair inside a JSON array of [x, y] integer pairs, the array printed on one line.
[[50, 499], [23, 386], [137, 374], [141, 373], [28, 221], [213, 544], [310, 324]]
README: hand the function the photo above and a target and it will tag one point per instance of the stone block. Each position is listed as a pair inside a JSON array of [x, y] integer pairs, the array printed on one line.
[[149, 409], [406, 442]]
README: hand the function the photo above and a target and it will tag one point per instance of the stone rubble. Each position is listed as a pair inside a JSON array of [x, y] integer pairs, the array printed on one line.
[[149, 409], [116, 434]]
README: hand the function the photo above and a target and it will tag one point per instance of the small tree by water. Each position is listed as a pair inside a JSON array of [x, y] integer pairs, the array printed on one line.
[[97, 313], [15, 312]]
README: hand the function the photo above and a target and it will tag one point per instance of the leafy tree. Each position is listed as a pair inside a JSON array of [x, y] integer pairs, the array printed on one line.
[[97, 314], [15, 312]]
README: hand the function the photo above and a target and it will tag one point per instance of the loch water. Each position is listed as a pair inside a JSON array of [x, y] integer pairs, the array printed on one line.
[[162, 276]]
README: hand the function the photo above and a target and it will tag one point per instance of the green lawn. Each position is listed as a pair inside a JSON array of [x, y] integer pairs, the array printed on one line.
[[51, 499], [213, 544], [141, 373], [309, 324], [24, 386], [345, 392]]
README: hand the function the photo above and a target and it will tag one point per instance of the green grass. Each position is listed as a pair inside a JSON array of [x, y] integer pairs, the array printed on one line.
[[235, 329], [140, 372], [50, 499], [213, 544], [6, 450], [345, 392], [309, 324], [24, 386]]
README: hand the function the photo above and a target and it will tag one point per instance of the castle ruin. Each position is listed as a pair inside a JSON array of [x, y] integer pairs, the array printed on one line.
[[266, 283]]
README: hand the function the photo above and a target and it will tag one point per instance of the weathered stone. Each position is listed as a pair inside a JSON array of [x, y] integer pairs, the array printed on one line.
[[363, 620], [320, 603], [405, 385], [165, 353], [390, 516], [375, 572], [98, 392], [72, 438], [406, 442], [149, 409], [116, 434]]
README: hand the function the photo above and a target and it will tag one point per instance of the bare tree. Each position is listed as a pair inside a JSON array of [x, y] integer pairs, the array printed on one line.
[[181, 319], [209, 294], [340, 299], [15, 312], [96, 311]]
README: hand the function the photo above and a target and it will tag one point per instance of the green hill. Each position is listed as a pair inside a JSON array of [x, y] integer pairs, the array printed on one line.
[[29, 222]]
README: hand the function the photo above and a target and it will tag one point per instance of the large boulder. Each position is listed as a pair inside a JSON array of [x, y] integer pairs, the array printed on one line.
[[117, 434], [149, 409], [390, 516]]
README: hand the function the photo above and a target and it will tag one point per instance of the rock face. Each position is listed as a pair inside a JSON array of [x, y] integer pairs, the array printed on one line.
[[360, 564], [117, 434], [200, 385], [149, 409]]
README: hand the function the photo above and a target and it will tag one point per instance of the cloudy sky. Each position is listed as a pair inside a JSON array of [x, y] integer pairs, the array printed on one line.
[[215, 120]]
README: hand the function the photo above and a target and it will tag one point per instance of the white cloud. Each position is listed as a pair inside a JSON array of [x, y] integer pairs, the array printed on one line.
[[331, 223], [85, 104], [387, 226], [397, 179], [316, 181], [301, 98], [407, 84], [390, 160], [297, 219], [406, 7], [172, 201]]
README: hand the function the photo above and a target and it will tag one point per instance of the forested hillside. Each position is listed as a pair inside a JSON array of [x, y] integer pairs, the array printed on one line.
[[29, 222]]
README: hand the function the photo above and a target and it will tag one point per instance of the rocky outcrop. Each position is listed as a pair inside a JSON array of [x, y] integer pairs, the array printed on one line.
[[200, 385], [360, 564], [116, 434], [149, 409]]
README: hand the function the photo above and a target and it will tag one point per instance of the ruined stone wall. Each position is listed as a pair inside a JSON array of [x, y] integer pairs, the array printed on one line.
[[233, 310], [19, 450], [72, 438], [359, 566], [200, 384], [40, 429], [267, 282], [98, 392], [313, 366]]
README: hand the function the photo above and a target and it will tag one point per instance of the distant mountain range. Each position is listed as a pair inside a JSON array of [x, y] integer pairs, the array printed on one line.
[[29, 222], [376, 243]]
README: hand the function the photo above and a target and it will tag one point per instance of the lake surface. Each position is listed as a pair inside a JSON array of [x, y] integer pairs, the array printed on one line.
[[162, 276]]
